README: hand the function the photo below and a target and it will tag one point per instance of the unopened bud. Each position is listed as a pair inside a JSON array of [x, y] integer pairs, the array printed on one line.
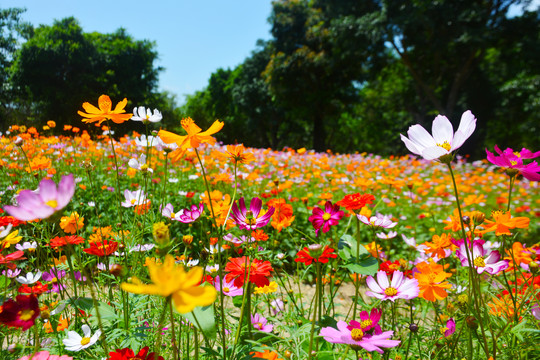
[[187, 239], [315, 250], [533, 266], [478, 218], [413, 327], [287, 354], [161, 234], [511, 172], [18, 141], [116, 270], [466, 220], [472, 323], [463, 299]]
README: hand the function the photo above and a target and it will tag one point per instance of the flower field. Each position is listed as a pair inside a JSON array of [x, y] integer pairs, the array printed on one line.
[[174, 246]]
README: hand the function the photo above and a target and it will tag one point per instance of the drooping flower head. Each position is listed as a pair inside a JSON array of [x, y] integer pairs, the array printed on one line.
[[315, 253], [444, 141], [44, 202], [512, 162], [194, 135], [253, 218], [104, 112], [323, 219], [483, 259], [400, 288]]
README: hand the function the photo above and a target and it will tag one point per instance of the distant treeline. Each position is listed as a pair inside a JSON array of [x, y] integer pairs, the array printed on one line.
[[345, 75]]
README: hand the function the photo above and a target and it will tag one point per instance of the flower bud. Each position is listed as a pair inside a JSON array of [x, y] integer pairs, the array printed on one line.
[[533, 266], [187, 239], [511, 172], [472, 323], [413, 327], [478, 218], [287, 354], [315, 250], [18, 141], [161, 234], [466, 219], [116, 270]]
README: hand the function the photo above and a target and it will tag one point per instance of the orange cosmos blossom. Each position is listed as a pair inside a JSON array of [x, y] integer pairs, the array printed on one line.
[[238, 154], [104, 112], [431, 281], [503, 222], [194, 135]]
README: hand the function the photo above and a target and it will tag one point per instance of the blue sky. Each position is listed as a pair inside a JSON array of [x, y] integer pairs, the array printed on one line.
[[193, 37]]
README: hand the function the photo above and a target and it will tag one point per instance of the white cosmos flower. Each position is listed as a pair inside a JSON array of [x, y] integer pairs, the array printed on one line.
[[134, 198], [145, 115], [443, 141], [29, 278], [75, 342], [140, 164]]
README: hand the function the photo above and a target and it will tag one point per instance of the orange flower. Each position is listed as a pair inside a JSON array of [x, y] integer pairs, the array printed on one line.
[[194, 135], [237, 154], [267, 354], [356, 201], [72, 223], [63, 324], [283, 214], [431, 281], [438, 245], [104, 112], [503, 222]]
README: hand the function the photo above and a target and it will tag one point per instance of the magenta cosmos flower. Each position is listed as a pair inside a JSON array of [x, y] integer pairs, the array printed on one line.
[[43, 202], [228, 287], [44, 355], [482, 257], [400, 288], [330, 216], [191, 214], [260, 323], [368, 322], [512, 161], [253, 218], [357, 339], [443, 141]]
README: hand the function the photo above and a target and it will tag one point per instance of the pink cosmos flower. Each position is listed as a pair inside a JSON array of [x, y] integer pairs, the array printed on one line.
[[400, 288], [253, 218], [368, 322], [228, 288], [512, 161], [44, 355], [483, 258], [43, 202], [357, 339], [443, 141], [260, 323], [330, 216], [134, 198], [450, 328], [190, 215], [168, 212], [378, 220]]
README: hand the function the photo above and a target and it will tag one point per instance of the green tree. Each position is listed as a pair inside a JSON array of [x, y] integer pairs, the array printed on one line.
[[60, 67]]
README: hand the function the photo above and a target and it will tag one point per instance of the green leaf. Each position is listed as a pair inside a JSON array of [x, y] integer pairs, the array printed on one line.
[[4, 281], [205, 320], [108, 314], [366, 265]]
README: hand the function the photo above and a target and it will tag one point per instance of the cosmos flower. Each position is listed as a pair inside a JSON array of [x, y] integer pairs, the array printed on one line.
[[356, 201], [368, 322], [140, 164], [104, 112], [194, 135], [229, 289], [450, 328], [30, 278], [444, 141], [483, 258], [400, 287], [20, 313], [44, 202], [191, 214], [7, 259], [260, 323], [45, 355], [134, 198], [72, 223], [253, 218], [75, 342], [357, 339], [379, 220], [323, 219], [431, 281], [146, 115], [102, 248], [512, 162]]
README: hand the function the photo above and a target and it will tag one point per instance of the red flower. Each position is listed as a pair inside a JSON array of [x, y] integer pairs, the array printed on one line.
[[21, 313], [17, 255], [37, 289], [389, 267], [6, 220], [258, 273], [356, 201], [315, 253], [102, 248], [126, 353], [63, 241]]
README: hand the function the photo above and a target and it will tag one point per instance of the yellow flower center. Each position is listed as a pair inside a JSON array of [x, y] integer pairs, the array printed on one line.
[[133, 201], [226, 289], [364, 324], [445, 145], [26, 314], [52, 203], [144, 167], [326, 216], [357, 334], [443, 329], [390, 291], [54, 280], [259, 325], [517, 154], [513, 163], [479, 261], [85, 340]]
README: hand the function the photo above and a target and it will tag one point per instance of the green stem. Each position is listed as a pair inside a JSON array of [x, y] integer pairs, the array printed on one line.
[[315, 306]]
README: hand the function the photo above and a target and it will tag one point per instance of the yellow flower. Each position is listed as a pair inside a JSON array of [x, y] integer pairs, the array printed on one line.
[[51, 124], [194, 135], [171, 280], [267, 289], [72, 223], [161, 233], [11, 239], [104, 112]]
